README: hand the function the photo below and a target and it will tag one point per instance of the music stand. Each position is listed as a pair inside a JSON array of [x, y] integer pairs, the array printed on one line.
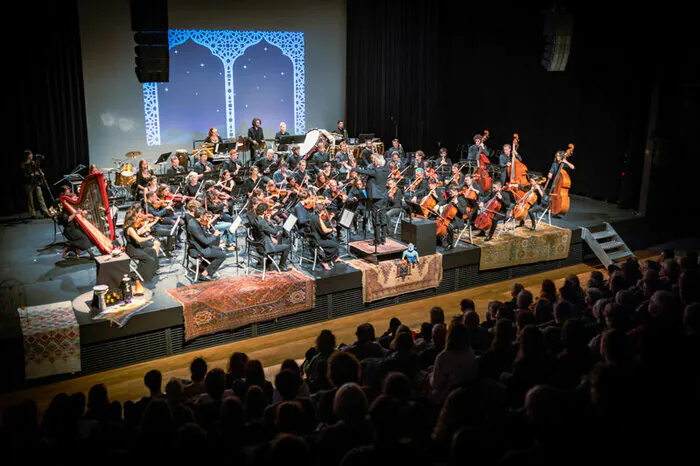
[[415, 209], [164, 157], [289, 223], [346, 218], [363, 137], [293, 139]]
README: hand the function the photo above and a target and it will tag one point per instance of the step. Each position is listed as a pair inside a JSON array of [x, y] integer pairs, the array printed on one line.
[[620, 255], [603, 234], [612, 244]]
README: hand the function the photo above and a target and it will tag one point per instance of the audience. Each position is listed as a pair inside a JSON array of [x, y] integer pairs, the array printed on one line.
[[607, 374]]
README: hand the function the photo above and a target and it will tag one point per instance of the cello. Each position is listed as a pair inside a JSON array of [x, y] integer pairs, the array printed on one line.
[[523, 205], [445, 219], [517, 174], [559, 200], [481, 174], [485, 219]]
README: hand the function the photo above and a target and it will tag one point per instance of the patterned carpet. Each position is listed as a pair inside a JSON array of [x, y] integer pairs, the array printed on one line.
[[367, 246], [231, 303], [524, 246], [396, 277], [51, 337]]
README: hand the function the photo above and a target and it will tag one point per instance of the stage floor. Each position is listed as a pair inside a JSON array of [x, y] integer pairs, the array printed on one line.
[[31, 263]]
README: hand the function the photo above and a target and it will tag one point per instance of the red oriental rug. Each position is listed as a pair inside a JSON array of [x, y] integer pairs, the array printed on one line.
[[231, 303], [51, 339], [396, 277]]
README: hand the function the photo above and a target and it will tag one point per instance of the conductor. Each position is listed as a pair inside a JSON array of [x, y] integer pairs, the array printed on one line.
[[377, 196]]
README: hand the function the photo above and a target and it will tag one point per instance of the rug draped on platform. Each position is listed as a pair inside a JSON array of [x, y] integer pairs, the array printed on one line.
[[547, 243], [51, 337], [235, 302], [396, 277]]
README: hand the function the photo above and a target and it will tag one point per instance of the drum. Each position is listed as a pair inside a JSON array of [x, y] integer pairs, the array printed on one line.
[[310, 141], [354, 151], [126, 169], [125, 175], [183, 158], [378, 147]]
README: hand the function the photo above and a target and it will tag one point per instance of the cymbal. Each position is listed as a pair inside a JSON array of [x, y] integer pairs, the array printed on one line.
[[133, 154]]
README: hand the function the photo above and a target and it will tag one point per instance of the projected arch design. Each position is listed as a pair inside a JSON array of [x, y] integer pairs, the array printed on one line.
[[228, 46]]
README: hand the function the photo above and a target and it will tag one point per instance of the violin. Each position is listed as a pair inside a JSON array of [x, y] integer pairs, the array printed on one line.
[[207, 219], [415, 184], [145, 219]]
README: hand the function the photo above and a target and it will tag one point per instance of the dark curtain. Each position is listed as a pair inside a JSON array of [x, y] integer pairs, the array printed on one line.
[[392, 71], [445, 71], [49, 105]]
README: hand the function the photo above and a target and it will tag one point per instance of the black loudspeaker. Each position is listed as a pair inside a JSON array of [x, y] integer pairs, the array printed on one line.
[[149, 20], [422, 233], [558, 29]]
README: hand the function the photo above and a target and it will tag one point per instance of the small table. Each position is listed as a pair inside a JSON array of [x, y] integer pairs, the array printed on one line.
[[111, 269]]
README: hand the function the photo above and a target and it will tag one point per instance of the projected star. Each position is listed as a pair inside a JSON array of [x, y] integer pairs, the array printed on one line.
[[175, 51], [282, 73], [266, 49], [202, 65], [245, 66], [166, 89]]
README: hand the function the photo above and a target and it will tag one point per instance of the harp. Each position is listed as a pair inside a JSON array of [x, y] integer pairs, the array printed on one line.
[[97, 223]]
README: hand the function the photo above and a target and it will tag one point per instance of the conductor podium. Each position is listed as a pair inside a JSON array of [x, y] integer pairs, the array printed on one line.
[[422, 233]]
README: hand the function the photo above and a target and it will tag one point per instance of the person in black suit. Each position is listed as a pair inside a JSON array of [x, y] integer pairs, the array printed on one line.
[[500, 215], [377, 194], [206, 243], [270, 235], [256, 136]]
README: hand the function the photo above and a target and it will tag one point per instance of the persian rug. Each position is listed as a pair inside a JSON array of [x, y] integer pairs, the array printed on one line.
[[396, 277], [51, 337], [367, 247], [547, 243], [231, 303]]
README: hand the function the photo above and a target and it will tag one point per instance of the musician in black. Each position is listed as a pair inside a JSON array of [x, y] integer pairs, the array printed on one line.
[[443, 164], [321, 156], [271, 236], [231, 164], [341, 156], [206, 243], [203, 165], [72, 231], [396, 147], [140, 243], [254, 181], [324, 234], [256, 136], [32, 185], [504, 160], [293, 158], [473, 204], [505, 199], [279, 134], [475, 149], [341, 129], [366, 154], [281, 175], [560, 161], [394, 202], [357, 202], [304, 177], [164, 228], [175, 168], [537, 208], [267, 165], [457, 223], [418, 187], [191, 190], [377, 194]]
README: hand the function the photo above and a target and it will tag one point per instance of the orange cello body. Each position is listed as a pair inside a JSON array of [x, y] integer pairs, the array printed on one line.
[[485, 219], [445, 219], [469, 194], [481, 174], [523, 206], [559, 199], [559, 196], [428, 203]]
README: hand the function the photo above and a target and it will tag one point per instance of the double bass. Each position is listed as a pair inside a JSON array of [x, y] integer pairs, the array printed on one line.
[[517, 173], [481, 174], [559, 200]]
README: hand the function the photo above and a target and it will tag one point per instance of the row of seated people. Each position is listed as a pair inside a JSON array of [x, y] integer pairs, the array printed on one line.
[[605, 372]]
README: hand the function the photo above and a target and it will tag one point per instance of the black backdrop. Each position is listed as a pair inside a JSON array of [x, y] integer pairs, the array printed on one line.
[[484, 72], [441, 72], [47, 110]]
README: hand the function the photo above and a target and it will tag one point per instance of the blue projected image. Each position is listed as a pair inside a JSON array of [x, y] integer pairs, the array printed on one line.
[[225, 79]]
